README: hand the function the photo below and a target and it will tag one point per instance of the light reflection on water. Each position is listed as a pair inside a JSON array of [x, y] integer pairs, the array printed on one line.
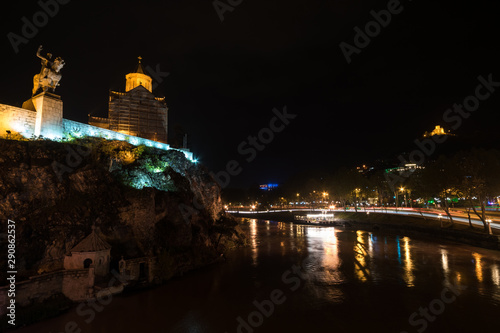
[[368, 253], [253, 241], [444, 261], [348, 273], [479, 266], [408, 263], [338, 256], [361, 253], [495, 274]]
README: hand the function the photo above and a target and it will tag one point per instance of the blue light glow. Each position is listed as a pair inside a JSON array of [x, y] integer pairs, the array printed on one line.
[[268, 187], [399, 250]]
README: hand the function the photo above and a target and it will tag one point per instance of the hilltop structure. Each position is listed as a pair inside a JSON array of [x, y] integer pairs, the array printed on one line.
[[136, 116], [136, 111], [438, 130]]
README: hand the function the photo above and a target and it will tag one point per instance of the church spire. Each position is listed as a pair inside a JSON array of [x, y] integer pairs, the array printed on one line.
[[139, 68]]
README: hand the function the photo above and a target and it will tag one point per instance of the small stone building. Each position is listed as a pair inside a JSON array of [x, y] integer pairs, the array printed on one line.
[[92, 250], [138, 269]]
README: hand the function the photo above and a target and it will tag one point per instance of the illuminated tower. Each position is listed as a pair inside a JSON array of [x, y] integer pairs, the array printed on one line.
[[138, 78]]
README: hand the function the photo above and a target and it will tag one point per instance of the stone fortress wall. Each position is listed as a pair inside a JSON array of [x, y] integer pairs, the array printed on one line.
[[23, 121], [17, 120], [75, 284]]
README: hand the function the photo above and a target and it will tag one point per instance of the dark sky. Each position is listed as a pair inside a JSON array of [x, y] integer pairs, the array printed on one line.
[[226, 77]]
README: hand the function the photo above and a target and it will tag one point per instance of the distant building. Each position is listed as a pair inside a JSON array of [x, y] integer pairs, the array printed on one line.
[[137, 111], [364, 169], [268, 187], [438, 130], [408, 167]]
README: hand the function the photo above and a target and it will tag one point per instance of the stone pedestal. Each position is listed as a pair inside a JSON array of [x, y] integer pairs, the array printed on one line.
[[49, 115]]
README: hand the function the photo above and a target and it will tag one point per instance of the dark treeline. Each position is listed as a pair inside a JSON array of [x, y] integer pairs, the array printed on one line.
[[466, 179]]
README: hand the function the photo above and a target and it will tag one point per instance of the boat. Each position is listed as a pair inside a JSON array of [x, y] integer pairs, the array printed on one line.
[[323, 218]]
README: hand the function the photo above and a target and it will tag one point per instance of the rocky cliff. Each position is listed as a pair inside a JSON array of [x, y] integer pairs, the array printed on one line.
[[143, 201]]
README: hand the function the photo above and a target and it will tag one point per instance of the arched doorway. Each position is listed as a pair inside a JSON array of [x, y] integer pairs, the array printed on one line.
[[87, 262]]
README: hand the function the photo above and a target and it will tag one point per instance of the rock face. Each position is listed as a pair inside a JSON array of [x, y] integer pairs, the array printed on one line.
[[143, 201]]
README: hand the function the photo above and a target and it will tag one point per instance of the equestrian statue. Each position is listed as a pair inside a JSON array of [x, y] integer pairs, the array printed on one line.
[[50, 75]]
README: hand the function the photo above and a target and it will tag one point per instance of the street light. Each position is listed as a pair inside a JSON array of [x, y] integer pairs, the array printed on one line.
[[402, 189], [356, 191], [325, 195], [409, 197], [396, 196]]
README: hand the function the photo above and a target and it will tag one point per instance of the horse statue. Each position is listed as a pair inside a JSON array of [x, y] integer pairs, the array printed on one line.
[[50, 75]]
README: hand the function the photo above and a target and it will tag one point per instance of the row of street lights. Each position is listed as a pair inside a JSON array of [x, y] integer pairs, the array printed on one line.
[[404, 191]]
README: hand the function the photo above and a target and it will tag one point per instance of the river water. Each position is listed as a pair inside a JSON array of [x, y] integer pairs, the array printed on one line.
[[295, 278]]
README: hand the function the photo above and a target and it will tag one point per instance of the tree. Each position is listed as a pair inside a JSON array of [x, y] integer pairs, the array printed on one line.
[[478, 179], [378, 182], [344, 184], [439, 180]]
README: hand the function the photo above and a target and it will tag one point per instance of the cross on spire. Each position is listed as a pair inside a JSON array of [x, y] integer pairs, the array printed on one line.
[[140, 69]]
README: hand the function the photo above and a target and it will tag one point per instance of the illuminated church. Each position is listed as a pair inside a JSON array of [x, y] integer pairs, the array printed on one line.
[[137, 111], [438, 130], [135, 116]]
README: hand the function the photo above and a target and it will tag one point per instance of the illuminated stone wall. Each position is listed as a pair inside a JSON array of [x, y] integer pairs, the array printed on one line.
[[23, 121], [17, 120], [80, 130]]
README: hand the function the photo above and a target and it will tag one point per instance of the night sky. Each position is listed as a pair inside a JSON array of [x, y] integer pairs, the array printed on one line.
[[226, 77]]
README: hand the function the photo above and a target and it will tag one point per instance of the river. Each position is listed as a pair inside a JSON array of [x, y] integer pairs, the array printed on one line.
[[295, 278]]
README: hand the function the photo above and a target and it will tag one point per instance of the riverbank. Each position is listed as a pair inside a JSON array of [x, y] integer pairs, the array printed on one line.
[[144, 212], [402, 225], [342, 274], [180, 264]]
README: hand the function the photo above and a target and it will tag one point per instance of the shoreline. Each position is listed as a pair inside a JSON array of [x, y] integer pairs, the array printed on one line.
[[405, 225], [58, 304]]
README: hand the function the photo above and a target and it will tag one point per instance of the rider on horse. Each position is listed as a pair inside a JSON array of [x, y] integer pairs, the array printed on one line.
[[49, 75]]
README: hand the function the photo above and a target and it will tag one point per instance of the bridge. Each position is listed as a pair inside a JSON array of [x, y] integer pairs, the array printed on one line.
[[458, 215]]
